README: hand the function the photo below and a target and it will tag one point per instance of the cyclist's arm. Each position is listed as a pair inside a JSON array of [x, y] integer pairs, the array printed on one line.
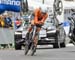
[[44, 18], [36, 17]]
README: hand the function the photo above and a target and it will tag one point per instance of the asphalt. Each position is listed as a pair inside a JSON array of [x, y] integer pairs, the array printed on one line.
[[67, 53]]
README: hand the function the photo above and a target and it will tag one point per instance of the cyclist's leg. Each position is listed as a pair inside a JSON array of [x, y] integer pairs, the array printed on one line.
[[28, 35], [35, 42], [36, 37], [30, 28]]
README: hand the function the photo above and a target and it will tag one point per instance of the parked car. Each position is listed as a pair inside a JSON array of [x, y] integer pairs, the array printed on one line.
[[18, 38], [52, 34]]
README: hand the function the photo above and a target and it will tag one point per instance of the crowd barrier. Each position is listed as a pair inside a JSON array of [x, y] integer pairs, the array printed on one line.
[[6, 36]]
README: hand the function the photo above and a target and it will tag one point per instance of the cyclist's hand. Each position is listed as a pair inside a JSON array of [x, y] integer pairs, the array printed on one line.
[[41, 22], [37, 23]]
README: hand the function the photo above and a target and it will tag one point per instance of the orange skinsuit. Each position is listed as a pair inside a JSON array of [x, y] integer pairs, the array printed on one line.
[[39, 19]]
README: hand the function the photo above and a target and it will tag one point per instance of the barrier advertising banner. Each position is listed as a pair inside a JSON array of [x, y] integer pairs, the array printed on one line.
[[9, 5]]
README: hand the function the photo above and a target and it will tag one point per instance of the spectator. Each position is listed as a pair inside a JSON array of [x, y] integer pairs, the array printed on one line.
[[1, 21], [7, 20], [18, 22]]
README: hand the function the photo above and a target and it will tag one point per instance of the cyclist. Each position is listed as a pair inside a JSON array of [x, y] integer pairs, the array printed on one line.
[[40, 16]]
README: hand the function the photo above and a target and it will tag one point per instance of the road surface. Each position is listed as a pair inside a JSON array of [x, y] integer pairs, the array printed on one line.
[[67, 53]]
